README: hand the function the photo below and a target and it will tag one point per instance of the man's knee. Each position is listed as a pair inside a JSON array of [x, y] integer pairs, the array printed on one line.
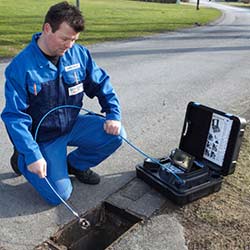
[[63, 189]]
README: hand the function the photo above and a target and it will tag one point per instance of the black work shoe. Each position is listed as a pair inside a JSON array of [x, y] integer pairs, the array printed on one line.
[[87, 176], [14, 162]]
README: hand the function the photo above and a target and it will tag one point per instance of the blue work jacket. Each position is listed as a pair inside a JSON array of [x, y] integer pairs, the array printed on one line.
[[34, 86]]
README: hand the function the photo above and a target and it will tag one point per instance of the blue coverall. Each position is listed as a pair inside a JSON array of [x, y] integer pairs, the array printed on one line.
[[33, 87]]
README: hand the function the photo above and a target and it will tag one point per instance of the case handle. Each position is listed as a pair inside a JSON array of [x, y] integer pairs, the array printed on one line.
[[186, 127]]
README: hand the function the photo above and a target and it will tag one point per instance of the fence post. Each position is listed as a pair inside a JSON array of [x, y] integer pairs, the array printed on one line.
[[78, 4]]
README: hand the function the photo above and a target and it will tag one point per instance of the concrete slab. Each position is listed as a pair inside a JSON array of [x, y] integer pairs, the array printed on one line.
[[161, 232]]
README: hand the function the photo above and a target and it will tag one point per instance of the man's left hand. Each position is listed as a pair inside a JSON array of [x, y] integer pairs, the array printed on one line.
[[112, 127]]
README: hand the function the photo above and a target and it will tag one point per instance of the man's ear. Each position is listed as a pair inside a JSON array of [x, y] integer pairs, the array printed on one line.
[[47, 28]]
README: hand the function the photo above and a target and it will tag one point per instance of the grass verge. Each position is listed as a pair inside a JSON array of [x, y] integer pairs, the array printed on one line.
[[106, 20], [221, 220]]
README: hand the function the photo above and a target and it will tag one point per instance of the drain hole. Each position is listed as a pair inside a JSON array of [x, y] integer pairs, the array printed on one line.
[[108, 223]]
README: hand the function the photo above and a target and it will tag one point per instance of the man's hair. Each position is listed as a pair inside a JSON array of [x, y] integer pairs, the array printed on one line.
[[64, 12]]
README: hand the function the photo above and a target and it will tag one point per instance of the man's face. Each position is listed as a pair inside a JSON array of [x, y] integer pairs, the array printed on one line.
[[60, 41]]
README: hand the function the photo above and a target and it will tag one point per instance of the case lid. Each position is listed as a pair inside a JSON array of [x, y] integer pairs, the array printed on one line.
[[212, 136]]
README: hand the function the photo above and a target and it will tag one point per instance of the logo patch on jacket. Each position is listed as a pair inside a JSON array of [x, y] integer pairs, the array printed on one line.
[[75, 89]]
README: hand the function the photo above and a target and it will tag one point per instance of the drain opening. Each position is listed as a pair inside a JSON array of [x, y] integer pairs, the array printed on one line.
[[108, 223]]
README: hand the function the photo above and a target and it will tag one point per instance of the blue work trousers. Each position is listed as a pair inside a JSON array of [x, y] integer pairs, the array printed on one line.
[[93, 146]]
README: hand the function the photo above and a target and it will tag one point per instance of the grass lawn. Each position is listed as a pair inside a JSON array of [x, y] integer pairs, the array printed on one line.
[[105, 20]]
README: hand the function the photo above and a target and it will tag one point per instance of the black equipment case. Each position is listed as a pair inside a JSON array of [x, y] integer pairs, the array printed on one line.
[[208, 150]]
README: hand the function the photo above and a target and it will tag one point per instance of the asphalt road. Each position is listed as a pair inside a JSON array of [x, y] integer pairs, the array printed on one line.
[[155, 78]]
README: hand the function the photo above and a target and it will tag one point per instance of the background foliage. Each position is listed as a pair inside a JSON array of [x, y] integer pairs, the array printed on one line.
[[105, 20]]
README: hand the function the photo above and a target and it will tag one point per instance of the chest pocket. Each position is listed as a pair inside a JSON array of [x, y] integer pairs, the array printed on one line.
[[73, 75], [42, 88], [35, 83], [74, 79]]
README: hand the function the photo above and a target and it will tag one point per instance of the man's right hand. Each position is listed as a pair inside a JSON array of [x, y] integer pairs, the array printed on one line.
[[38, 167]]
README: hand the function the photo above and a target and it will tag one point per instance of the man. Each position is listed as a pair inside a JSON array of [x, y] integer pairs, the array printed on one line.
[[53, 72]]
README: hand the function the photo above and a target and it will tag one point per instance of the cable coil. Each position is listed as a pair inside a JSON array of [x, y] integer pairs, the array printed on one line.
[[84, 222], [180, 181]]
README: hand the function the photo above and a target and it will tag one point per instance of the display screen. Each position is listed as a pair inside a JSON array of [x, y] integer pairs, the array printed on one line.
[[182, 159]]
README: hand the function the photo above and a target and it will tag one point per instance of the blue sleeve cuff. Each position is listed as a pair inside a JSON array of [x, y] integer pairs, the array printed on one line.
[[114, 117], [32, 157]]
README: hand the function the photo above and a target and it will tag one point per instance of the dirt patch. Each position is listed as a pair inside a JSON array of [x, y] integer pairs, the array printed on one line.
[[222, 220]]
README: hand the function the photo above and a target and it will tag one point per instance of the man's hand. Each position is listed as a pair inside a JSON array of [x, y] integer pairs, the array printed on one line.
[[112, 127], [38, 167]]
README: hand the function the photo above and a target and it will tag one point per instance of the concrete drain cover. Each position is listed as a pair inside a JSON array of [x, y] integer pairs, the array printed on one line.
[[108, 223]]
